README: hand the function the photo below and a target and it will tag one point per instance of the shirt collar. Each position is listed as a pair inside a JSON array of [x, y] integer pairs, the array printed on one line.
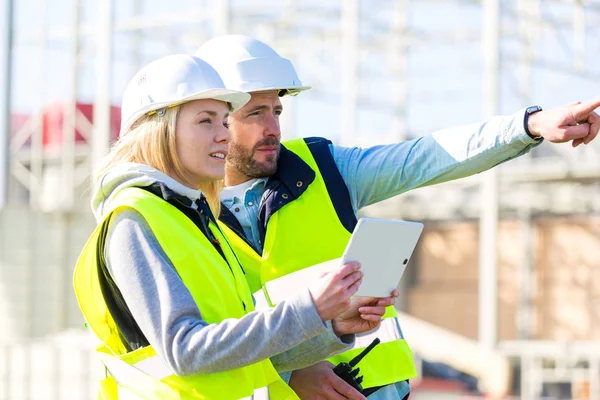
[[231, 195]]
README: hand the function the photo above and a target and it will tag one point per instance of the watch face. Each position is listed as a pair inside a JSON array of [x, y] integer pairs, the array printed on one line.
[[532, 109]]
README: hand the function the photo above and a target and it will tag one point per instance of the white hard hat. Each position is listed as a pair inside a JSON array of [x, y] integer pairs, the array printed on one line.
[[249, 65], [173, 80]]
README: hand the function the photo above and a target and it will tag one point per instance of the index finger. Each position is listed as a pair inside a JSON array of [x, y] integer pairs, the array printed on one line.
[[343, 388], [388, 301], [584, 109], [346, 269]]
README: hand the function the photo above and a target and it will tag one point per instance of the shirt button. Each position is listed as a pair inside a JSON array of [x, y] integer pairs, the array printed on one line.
[[285, 196], [237, 209], [250, 203], [299, 184]]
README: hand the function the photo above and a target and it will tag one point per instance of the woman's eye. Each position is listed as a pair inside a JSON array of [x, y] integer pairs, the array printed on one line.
[[226, 124]]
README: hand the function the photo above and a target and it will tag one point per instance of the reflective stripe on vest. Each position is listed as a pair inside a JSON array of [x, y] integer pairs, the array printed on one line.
[[154, 367], [259, 394], [124, 374], [386, 332], [219, 289], [306, 232]]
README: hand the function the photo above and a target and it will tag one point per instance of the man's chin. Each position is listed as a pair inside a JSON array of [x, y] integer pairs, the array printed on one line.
[[266, 158], [266, 168]]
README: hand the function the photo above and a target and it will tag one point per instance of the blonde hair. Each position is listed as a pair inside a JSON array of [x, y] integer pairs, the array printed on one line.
[[151, 141]]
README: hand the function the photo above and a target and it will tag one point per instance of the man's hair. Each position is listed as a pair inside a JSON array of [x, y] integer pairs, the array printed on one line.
[[151, 141]]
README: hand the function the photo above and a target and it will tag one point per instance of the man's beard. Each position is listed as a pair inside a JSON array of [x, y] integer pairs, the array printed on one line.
[[243, 160]]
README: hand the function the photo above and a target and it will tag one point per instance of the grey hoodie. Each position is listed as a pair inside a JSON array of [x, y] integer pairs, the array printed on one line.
[[291, 334]]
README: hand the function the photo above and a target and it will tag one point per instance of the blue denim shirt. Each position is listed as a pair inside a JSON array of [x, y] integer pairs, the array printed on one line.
[[377, 173]]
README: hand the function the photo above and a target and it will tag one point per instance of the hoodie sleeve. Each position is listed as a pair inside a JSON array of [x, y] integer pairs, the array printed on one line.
[[172, 323]]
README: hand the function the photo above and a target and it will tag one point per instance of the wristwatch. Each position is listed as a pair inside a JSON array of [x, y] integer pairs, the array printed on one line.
[[531, 110]]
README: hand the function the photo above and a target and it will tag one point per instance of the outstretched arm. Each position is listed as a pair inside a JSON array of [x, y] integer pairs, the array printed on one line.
[[380, 172]]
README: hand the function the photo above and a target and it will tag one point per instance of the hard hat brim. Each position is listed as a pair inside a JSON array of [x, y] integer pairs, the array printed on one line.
[[290, 90], [235, 98]]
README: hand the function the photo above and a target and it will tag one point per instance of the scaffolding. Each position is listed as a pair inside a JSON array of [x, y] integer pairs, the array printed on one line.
[[370, 43]]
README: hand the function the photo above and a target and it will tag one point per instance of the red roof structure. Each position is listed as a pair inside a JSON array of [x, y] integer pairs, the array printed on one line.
[[53, 124]]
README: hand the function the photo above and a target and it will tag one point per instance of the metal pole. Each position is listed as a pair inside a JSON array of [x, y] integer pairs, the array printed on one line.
[[286, 120], [63, 276], [37, 133], [350, 75], [221, 21], [5, 357], [136, 35], [32, 222], [579, 35], [529, 12], [101, 131], [6, 41], [399, 58], [399, 61], [529, 29], [488, 222], [69, 118], [526, 308], [594, 377], [529, 24]]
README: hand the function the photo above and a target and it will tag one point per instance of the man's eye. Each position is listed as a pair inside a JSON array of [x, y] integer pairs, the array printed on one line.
[[226, 124], [205, 121]]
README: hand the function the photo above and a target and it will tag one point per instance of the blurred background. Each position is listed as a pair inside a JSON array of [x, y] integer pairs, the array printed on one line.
[[501, 299]]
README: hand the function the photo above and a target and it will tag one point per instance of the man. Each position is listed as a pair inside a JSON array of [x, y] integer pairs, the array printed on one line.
[[291, 206]]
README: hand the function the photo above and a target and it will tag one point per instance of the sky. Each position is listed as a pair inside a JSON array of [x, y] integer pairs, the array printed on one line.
[[444, 76]]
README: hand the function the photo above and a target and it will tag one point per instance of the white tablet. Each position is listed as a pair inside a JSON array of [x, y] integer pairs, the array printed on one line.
[[383, 247]]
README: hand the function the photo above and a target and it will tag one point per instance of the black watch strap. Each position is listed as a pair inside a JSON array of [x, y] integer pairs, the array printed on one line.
[[531, 110]]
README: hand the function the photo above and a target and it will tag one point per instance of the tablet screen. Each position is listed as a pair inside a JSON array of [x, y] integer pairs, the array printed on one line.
[[384, 248]]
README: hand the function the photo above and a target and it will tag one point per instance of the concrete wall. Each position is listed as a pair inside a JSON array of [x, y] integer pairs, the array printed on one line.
[[566, 278], [569, 300]]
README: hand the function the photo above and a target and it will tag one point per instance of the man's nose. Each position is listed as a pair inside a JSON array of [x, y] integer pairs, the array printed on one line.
[[272, 127]]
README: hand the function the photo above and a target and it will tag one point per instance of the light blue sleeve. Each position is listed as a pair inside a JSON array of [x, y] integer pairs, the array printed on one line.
[[377, 173]]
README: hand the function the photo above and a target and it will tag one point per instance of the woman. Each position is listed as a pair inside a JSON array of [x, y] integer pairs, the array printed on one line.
[[158, 283]]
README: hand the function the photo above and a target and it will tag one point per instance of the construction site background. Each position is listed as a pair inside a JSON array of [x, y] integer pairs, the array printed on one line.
[[502, 296]]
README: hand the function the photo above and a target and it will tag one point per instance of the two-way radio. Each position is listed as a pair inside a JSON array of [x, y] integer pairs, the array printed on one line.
[[347, 373]]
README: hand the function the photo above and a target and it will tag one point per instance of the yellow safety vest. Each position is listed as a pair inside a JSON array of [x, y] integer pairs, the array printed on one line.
[[306, 232], [220, 290]]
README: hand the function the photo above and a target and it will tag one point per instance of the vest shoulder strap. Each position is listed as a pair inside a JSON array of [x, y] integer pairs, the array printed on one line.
[[336, 187]]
